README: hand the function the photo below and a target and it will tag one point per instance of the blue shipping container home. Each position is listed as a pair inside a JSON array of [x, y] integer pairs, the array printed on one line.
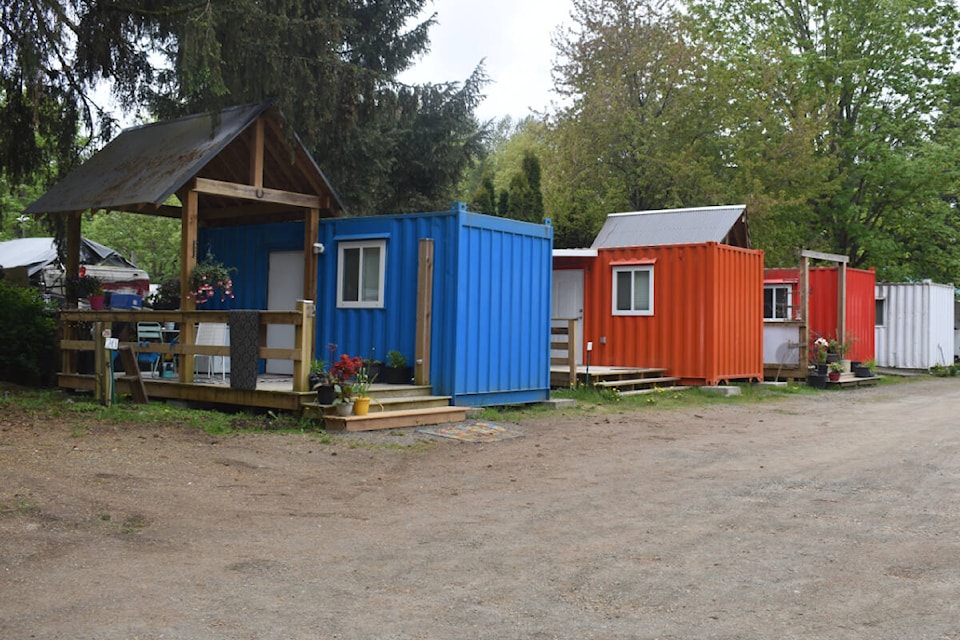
[[465, 296]]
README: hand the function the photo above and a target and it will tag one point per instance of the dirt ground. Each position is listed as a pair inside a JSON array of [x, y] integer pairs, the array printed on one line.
[[829, 516]]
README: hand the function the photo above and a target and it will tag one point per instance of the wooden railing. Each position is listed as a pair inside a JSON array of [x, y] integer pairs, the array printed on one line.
[[185, 347], [563, 339]]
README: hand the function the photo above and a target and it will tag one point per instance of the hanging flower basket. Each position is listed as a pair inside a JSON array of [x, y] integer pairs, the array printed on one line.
[[209, 279]]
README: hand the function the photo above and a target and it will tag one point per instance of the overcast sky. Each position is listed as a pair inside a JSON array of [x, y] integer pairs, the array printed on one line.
[[513, 36]]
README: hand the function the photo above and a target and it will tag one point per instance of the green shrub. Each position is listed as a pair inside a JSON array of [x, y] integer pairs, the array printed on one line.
[[944, 371], [27, 337]]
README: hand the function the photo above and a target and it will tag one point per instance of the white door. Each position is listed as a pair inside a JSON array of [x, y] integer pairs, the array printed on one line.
[[568, 302], [284, 288]]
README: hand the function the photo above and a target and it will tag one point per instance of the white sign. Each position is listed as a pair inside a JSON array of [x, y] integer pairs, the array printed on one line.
[[112, 343]]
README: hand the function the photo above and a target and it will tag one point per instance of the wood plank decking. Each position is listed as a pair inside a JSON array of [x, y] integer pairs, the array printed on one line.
[[629, 380]]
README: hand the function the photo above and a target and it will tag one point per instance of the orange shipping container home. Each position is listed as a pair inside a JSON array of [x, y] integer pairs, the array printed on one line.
[[860, 305], [694, 308]]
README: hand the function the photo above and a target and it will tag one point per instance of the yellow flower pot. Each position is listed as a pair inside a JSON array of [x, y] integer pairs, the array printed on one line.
[[361, 406]]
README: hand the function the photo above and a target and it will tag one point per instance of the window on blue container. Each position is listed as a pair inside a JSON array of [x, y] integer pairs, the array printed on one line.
[[360, 273], [633, 291]]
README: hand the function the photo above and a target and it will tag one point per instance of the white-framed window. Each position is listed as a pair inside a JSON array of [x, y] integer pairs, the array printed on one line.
[[633, 290], [777, 302], [360, 270]]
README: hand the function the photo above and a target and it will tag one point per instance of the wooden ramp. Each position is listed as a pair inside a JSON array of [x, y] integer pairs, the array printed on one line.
[[392, 407]]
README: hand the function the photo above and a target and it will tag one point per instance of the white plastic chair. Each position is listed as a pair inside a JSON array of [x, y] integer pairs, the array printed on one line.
[[211, 333]]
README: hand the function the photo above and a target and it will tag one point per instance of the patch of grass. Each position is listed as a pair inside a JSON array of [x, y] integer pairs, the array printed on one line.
[[21, 506], [134, 523]]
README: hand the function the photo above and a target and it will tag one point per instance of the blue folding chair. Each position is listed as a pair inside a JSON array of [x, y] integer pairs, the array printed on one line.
[[148, 333]]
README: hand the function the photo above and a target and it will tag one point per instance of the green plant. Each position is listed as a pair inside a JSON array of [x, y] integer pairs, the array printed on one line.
[[84, 286], [395, 359], [944, 370], [361, 383], [27, 337], [167, 296], [835, 367], [819, 350]]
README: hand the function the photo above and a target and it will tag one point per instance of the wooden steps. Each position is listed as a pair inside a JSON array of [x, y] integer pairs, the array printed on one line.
[[628, 380], [396, 419], [392, 407], [850, 380]]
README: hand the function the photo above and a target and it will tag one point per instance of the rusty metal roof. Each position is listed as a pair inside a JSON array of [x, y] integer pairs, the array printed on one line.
[[725, 224], [146, 165]]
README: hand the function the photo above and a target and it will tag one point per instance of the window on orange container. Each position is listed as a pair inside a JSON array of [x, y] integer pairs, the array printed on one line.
[[633, 291]]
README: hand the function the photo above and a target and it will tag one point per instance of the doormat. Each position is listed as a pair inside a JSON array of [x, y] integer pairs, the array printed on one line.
[[476, 432]]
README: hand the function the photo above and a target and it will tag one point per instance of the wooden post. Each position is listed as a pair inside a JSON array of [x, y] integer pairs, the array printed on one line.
[[68, 359], [303, 340], [804, 312], [256, 155], [101, 388], [421, 371], [842, 303], [311, 229], [188, 260]]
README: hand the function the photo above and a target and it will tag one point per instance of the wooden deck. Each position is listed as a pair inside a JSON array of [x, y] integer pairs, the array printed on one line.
[[394, 406]]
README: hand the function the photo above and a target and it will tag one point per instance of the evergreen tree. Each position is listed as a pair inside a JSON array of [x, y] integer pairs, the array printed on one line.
[[484, 199], [331, 67]]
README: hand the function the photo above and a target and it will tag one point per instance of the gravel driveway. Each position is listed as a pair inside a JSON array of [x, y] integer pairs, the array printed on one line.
[[827, 516]]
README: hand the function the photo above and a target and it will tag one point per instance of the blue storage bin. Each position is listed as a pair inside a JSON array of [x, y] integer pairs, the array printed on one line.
[[126, 301]]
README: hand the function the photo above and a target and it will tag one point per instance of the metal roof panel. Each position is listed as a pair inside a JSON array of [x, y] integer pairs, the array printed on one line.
[[668, 226], [147, 164]]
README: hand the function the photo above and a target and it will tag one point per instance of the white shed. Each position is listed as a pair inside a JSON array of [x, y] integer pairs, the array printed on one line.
[[915, 324]]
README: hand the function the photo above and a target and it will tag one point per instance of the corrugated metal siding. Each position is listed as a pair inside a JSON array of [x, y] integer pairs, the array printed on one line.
[[918, 326], [860, 309], [491, 302], [374, 332], [708, 313], [503, 308], [248, 249]]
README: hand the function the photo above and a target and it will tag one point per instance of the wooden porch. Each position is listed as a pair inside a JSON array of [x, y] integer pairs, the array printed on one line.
[[88, 332]]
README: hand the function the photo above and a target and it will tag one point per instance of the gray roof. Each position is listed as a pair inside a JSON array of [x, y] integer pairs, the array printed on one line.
[[149, 163], [36, 253], [674, 226]]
